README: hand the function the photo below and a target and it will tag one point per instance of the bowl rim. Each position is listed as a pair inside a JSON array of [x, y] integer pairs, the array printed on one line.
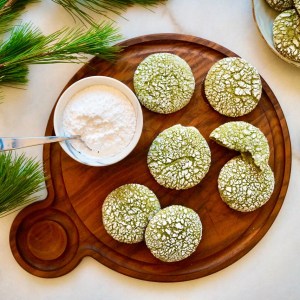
[[82, 84]]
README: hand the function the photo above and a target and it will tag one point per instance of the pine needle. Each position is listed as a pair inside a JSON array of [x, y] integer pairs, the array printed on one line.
[[20, 179], [27, 45], [9, 11], [80, 8]]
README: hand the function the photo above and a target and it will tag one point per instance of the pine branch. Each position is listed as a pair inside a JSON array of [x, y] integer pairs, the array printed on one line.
[[20, 179], [27, 45], [9, 11], [80, 8]]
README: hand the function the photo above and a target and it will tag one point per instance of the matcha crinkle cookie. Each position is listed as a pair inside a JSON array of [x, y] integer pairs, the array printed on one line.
[[164, 83], [245, 138], [286, 34], [281, 5], [233, 87], [179, 157], [243, 186], [173, 233], [127, 210]]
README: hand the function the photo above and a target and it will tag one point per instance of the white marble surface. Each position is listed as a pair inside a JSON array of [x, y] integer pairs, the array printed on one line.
[[269, 271]]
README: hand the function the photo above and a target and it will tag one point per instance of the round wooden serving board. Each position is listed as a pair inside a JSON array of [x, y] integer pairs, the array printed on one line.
[[49, 238]]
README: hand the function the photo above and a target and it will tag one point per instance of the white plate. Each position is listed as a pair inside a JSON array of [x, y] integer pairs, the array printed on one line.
[[264, 17]]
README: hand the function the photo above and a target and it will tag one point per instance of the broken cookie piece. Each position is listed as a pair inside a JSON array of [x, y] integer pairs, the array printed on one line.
[[245, 138]]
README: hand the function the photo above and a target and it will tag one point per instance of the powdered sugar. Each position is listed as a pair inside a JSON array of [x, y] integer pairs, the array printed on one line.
[[103, 117]]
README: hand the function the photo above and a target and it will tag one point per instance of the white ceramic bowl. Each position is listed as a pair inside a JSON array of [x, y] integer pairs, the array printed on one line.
[[75, 88]]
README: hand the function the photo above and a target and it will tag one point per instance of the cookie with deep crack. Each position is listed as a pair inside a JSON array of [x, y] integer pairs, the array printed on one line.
[[179, 157], [245, 138]]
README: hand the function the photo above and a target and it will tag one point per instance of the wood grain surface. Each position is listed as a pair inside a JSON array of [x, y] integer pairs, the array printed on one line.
[[49, 238]]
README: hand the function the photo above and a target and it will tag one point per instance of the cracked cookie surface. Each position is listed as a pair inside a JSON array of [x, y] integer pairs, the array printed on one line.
[[233, 87], [127, 210], [281, 5], [164, 83], [179, 157], [286, 34], [243, 186], [245, 138], [173, 233]]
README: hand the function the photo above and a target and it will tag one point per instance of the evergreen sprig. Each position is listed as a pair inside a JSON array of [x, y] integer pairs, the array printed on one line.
[[9, 11], [81, 9], [20, 179], [27, 45]]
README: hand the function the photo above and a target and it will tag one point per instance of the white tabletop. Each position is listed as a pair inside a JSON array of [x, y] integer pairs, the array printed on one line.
[[271, 270]]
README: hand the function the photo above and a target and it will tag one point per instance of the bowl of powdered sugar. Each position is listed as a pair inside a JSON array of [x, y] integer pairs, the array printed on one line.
[[107, 116]]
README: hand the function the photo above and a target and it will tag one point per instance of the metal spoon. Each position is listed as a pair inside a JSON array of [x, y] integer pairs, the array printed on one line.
[[11, 143]]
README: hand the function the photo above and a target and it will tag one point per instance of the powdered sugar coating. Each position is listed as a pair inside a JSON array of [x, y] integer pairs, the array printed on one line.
[[281, 5], [243, 137], [286, 34], [103, 117], [173, 233], [243, 186], [164, 83], [179, 157], [233, 87]]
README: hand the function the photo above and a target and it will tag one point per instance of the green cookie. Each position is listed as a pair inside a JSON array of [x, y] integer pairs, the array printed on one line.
[[233, 87], [179, 157], [173, 233], [281, 5], [243, 186], [127, 210], [245, 138], [286, 34], [164, 83]]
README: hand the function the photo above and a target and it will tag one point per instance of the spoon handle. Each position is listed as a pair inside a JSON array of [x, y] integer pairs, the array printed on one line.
[[11, 143]]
